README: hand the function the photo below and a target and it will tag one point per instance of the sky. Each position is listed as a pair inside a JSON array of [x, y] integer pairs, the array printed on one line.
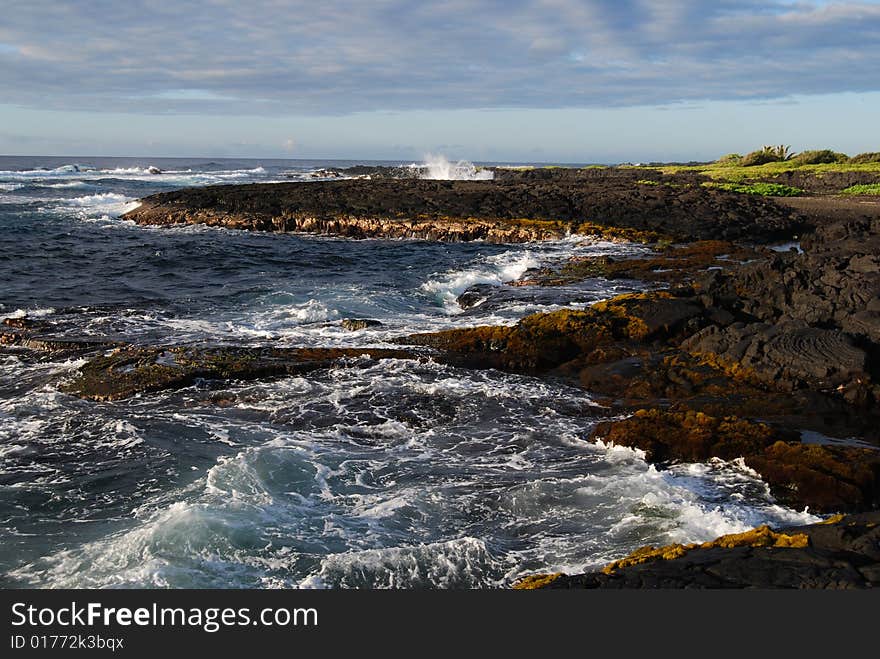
[[487, 80]]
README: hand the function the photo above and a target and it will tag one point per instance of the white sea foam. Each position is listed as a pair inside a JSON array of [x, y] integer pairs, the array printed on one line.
[[82, 174], [493, 270], [149, 170], [461, 563], [63, 170], [413, 471], [438, 167], [311, 312], [68, 184], [103, 206], [31, 313], [101, 199], [293, 322], [27, 200]]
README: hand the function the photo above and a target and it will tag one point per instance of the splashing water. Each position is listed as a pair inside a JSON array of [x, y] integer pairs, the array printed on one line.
[[387, 473], [438, 168]]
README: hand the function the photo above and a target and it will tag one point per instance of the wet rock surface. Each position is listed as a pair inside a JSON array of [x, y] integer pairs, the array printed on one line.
[[480, 298], [821, 478], [842, 553], [789, 338], [355, 324], [43, 340], [669, 264], [129, 371]]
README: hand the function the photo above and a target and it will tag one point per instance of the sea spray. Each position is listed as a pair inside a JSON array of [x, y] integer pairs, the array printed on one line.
[[439, 168]]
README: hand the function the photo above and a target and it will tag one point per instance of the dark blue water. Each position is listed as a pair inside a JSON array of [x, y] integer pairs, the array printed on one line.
[[370, 474]]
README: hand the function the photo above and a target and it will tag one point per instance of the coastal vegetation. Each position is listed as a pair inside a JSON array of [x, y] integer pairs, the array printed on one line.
[[767, 154], [759, 188], [869, 157], [774, 160], [777, 172], [819, 157], [869, 189]]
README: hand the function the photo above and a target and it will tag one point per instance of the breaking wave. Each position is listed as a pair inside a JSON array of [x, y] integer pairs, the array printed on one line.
[[439, 168]]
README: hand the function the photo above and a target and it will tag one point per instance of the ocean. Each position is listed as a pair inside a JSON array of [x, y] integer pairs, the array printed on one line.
[[387, 474]]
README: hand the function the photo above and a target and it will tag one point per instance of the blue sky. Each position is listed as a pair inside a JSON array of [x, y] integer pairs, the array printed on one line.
[[511, 80]]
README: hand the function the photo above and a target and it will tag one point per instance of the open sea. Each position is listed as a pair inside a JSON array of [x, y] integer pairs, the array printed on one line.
[[391, 475]]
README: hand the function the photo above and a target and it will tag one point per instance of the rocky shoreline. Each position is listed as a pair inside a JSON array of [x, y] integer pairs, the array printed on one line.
[[514, 209], [840, 553], [741, 351]]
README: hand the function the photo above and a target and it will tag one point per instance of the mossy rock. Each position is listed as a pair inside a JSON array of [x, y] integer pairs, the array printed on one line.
[[536, 581], [129, 371], [762, 537], [839, 553], [823, 478], [547, 340], [689, 436]]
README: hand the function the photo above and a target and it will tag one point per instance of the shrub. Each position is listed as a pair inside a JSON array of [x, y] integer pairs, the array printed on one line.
[[767, 154], [819, 157], [730, 159], [864, 158], [761, 157]]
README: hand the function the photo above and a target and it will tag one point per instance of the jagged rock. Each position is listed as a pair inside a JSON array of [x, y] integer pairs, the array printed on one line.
[[824, 478], [355, 324], [51, 346], [546, 340], [26, 323], [843, 552], [475, 295], [486, 297], [834, 284], [615, 206], [676, 264], [129, 371], [326, 173], [785, 356]]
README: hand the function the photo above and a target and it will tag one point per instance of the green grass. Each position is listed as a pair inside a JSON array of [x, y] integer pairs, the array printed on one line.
[[738, 174], [763, 189], [730, 174], [872, 189]]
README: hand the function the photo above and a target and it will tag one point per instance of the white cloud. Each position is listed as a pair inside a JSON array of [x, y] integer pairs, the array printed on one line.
[[344, 56]]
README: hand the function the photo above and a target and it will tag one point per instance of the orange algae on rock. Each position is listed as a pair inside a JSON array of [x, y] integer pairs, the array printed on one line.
[[536, 581], [618, 234], [687, 435], [824, 478], [761, 537]]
